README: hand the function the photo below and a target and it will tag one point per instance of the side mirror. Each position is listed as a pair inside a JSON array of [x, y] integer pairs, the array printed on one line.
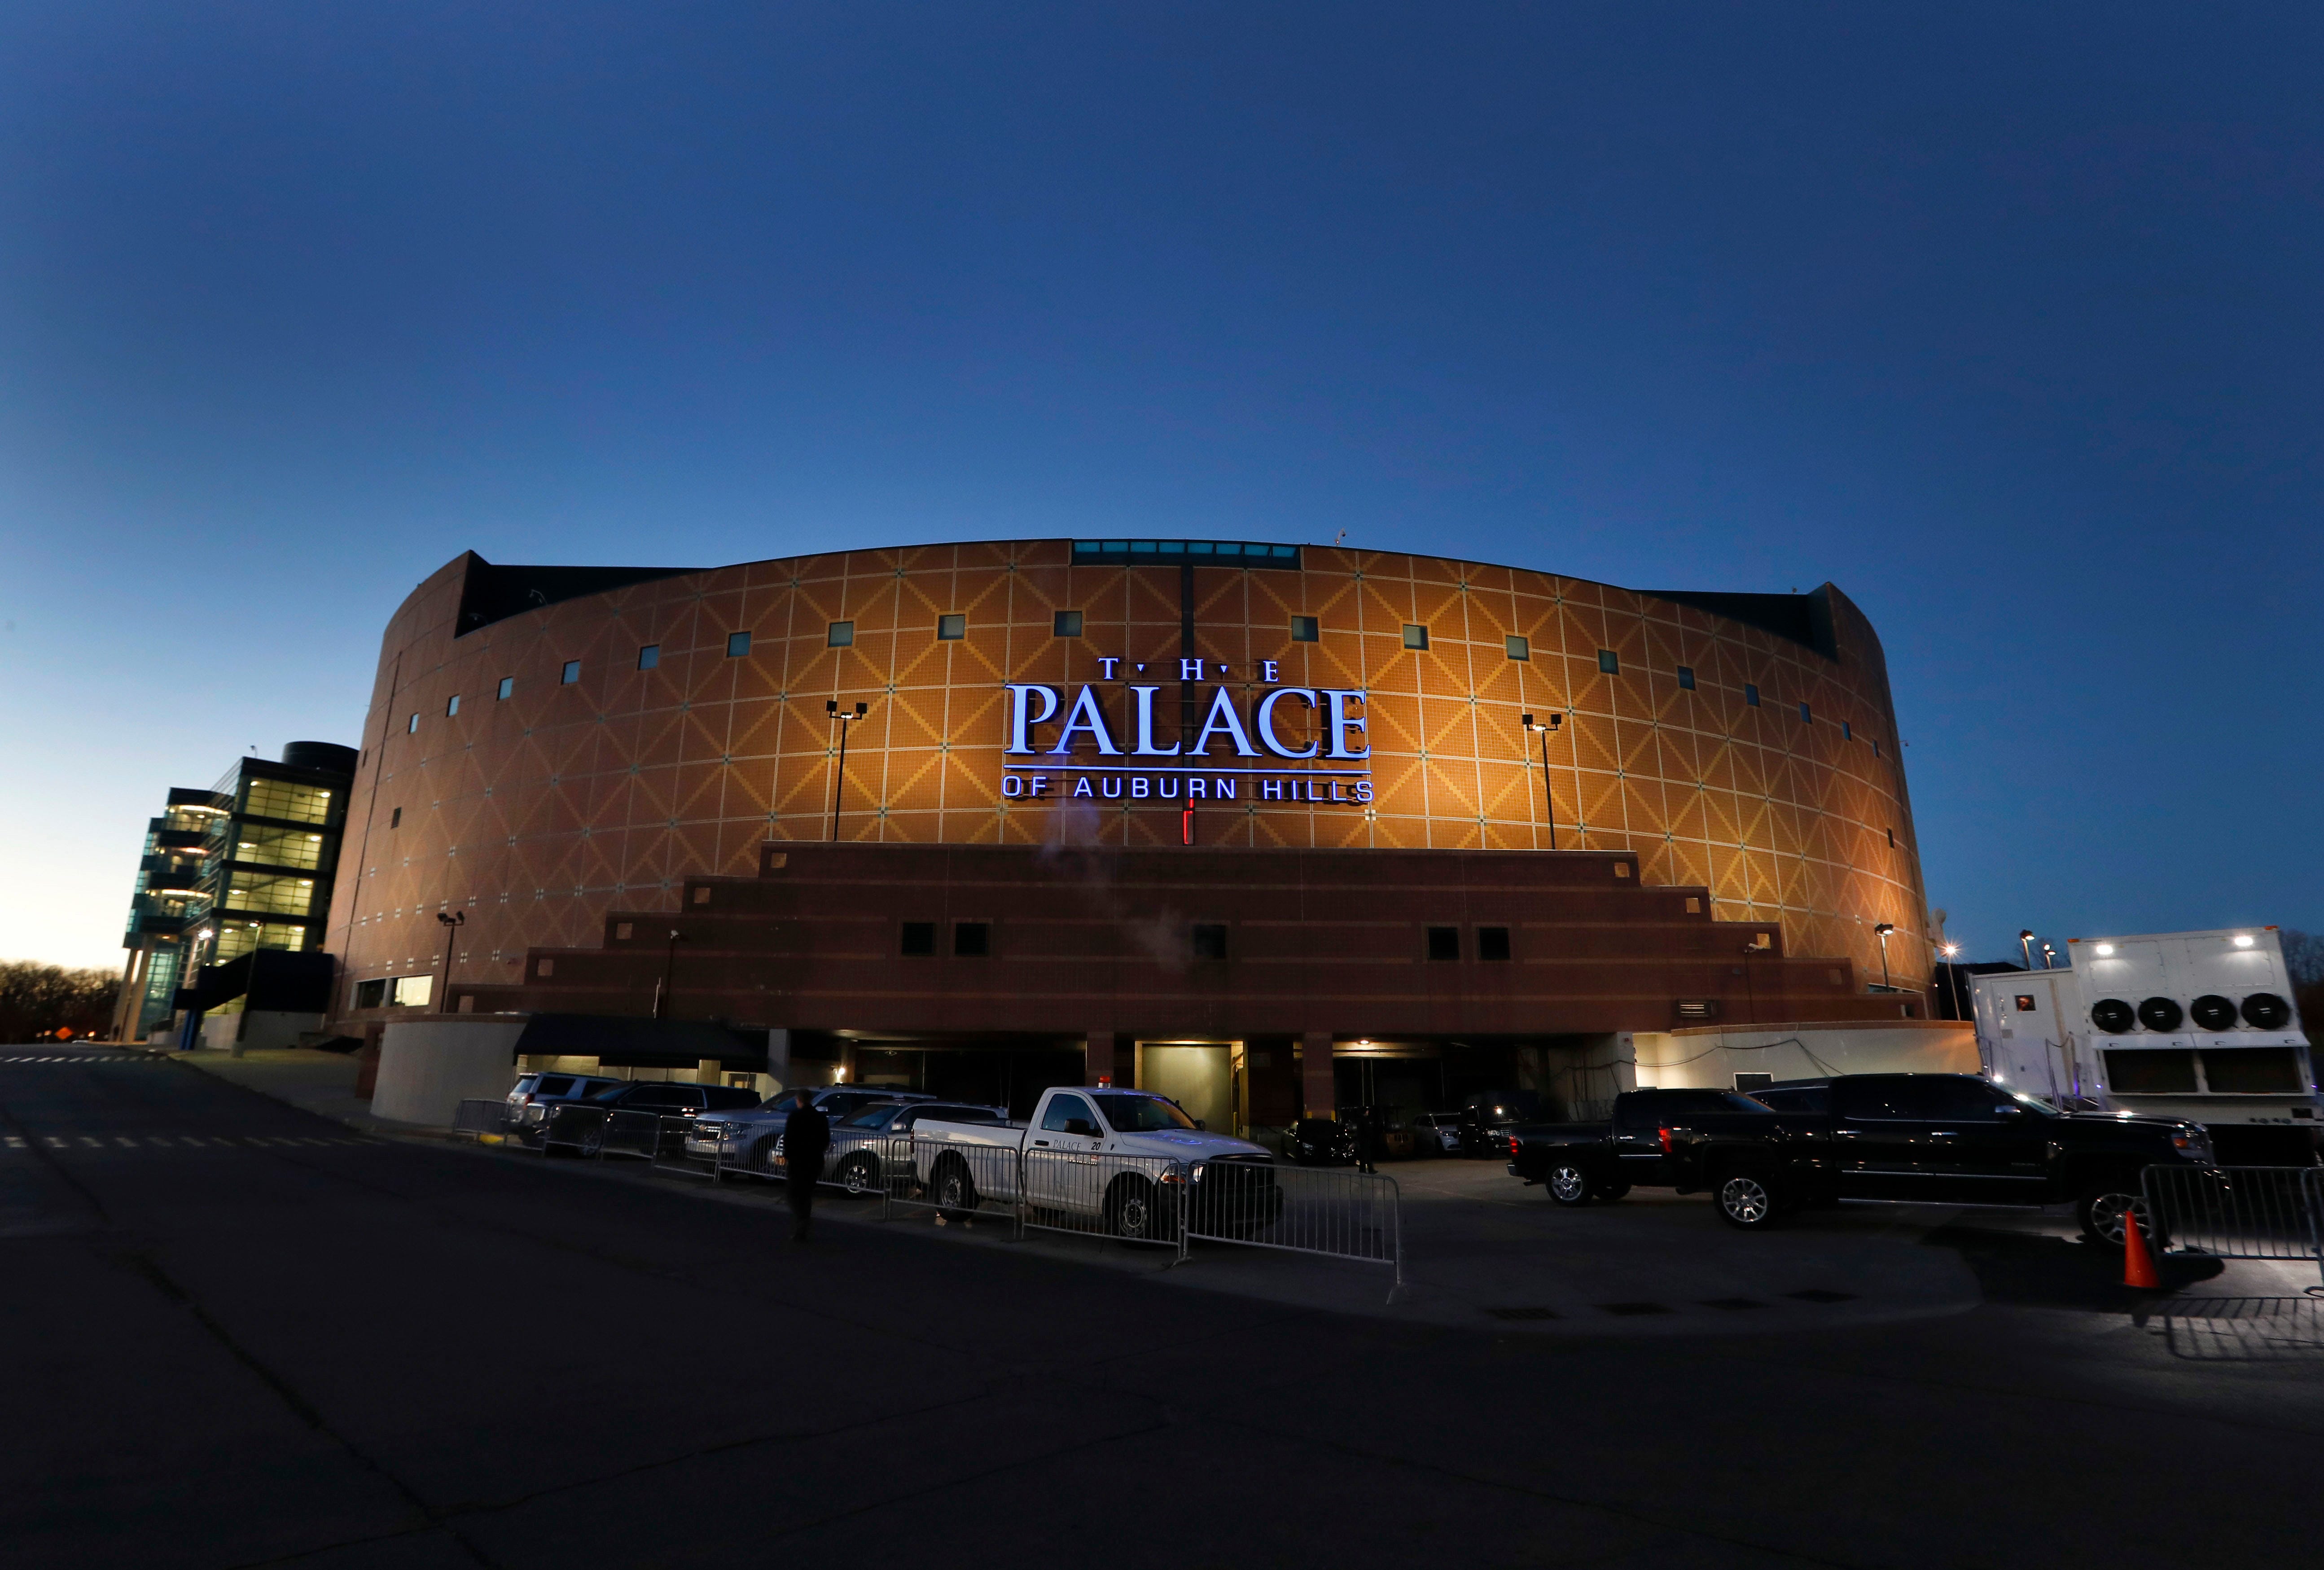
[[2010, 1112], [1200, 1125]]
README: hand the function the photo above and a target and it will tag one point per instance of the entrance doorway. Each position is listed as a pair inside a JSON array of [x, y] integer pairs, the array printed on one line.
[[1198, 1075]]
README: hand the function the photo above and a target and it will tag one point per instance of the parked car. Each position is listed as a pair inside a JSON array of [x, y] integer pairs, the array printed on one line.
[[859, 1140], [1232, 1181], [748, 1134], [536, 1098], [1319, 1142], [1437, 1133], [1486, 1130], [1947, 1138]]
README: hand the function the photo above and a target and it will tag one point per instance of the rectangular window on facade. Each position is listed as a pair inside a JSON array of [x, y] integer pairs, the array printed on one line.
[[453, 707], [572, 673], [371, 994], [1445, 943], [1519, 648], [1847, 733], [920, 939], [649, 656], [737, 645], [412, 991], [412, 726], [840, 636], [287, 801], [1610, 662], [1414, 637], [951, 629], [1892, 839], [279, 847], [396, 819], [1492, 942], [1303, 629], [1210, 940], [971, 939], [255, 893], [508, 685], [1066, 624], [1750, 695], [1805, 717], [1686, 676], [1875, 749]]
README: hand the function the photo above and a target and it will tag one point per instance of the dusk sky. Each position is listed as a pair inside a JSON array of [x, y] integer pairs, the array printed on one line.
[[2003, 318]]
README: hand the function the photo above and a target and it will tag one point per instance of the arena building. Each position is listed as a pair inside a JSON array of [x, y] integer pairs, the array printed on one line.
[[1190, 812]]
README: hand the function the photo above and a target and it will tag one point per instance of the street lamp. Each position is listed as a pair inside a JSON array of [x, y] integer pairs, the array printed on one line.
[[2049, 957], [1952, 952], [452, 925], [1882, 932], [839, 781], [2026, 947], [1554, 722]]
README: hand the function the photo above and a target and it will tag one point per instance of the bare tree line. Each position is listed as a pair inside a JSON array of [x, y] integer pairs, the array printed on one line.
[[38, 999]]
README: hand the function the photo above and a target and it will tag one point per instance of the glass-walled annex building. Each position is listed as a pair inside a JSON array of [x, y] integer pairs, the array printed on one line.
[[242, 869]]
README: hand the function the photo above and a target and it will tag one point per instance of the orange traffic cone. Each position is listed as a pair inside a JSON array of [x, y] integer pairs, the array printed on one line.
[[2138, 1264]]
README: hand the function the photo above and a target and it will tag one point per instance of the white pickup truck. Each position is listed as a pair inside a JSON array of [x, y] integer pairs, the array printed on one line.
[[1123, 1159]]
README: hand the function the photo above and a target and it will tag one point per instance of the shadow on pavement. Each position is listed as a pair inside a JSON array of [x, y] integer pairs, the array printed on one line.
[[2047, 1272]]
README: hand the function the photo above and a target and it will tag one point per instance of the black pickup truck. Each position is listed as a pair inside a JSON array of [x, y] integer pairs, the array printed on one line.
[[1942, 1138]]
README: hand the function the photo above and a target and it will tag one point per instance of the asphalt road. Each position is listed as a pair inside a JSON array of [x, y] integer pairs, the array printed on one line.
[[235, 1334]]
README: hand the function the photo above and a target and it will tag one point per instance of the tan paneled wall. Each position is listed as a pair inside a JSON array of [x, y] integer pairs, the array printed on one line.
[[537, 814]]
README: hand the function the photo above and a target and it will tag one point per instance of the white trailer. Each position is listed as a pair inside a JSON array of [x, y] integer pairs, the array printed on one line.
[[2192, 1025]]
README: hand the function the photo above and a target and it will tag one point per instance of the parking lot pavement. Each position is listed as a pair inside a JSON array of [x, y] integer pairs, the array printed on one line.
[[401, 1353]]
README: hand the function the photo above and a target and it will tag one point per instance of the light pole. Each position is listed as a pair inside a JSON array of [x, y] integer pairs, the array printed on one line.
[[839, 781], [452, 925], [1952, 955], [1554, 722], [668, 978], [2049, 957], [2026, 947], [1881, 931]]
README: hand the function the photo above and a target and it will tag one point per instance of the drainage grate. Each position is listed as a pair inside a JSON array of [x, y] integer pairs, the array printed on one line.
[[1732, 1303], [1524, 1313], [1634, 1308], [1822, 1295]]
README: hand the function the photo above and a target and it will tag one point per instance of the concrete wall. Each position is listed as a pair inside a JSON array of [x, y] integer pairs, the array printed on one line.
[[1710, 1056], [265, 1029], [427, 1068]]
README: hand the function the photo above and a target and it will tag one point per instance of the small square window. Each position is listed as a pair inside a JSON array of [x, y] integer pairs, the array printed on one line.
[[1610, 662], [737, 645], [1519, 648], [971, 939], [1414, 637], [1303, 629], [649, 656], [1066, 624], [452, 707], [952, 629], [396, 819], [1806, 718], [920, 939], [508, 685], [1210, 940], [1875, 749], [572, 673], [1686, 678], [412, 726], [1445, 943], [1492, 942], [623, 931], [1750, 695], [840, 636], [1892, 839]]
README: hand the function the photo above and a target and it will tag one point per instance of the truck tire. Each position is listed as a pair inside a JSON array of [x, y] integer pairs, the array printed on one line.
[[1569, 1184], [859, 1174], [1746, 1200], [1607, 1191], [2101, 1207], [953, 1190], [1135, 1214]]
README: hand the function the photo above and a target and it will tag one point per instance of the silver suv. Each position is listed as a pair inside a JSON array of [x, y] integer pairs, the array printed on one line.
[[748, 1135], [536, 1098]]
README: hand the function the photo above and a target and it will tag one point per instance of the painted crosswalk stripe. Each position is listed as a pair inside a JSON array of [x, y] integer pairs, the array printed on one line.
[[123, 1139], [15, 1142]]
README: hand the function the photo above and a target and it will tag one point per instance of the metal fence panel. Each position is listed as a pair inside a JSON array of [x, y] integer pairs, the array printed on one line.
[[624, 1133], [480, 1117], [956, 1178], [2238, 1213], [1140, 1199], [571, 1127], [1339, 1210]]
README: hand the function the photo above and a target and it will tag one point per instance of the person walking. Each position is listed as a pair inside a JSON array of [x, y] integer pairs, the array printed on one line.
[[806, 1135], [1367, 1139]]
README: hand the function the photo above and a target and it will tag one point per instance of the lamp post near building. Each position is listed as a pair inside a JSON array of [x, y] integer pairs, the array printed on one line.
[[2026, 947], [1882, 932], [839, 779], [1952, 952], [452, 925], [1553, 723]]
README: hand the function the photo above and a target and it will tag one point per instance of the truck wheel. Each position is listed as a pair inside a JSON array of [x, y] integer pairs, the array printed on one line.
[[956, 1193], [2104, 1204], [1569, 1184], [1745, 1200], [593, 1143], [1132, 1212], [860, 1176], [1607, 1193]]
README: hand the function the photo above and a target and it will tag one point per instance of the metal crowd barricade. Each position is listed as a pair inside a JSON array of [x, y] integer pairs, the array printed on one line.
[[2240, 1213], [1140, 1199], [1336, 1211], [572, 1126], [958, 1179], [480, 1117], [623, 1133]]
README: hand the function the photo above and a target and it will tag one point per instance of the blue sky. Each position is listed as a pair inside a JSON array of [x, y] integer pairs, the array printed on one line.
[[2003, 318]]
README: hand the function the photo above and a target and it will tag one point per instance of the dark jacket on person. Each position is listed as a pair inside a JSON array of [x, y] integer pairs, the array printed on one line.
[[806, 1135]]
